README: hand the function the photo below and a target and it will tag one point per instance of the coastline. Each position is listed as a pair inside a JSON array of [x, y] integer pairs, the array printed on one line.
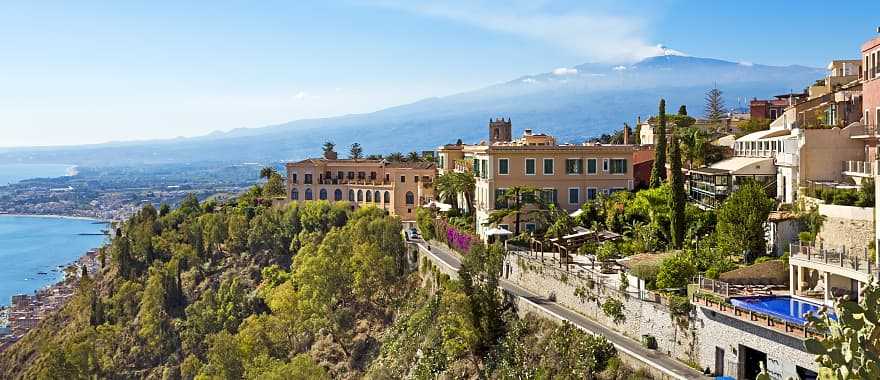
[[56, 216]]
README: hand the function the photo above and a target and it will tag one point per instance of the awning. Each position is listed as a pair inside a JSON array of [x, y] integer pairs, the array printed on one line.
[[746, 166], [439, 205], [576, 213], [765, 134], [497, 232]]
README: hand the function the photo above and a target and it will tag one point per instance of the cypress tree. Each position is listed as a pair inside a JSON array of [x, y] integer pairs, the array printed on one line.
[[676, 183], [658, 171]]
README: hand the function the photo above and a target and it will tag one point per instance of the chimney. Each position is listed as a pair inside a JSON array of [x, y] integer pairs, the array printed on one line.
[[625, 135], [638, 119]]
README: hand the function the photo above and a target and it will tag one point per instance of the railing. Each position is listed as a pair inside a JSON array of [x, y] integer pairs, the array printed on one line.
[[859, 167], [791, 329], [861, 261], [870, 130], [787, 159], [360, 182]]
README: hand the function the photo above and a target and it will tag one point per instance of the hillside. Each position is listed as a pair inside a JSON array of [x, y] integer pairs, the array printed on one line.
[[311, 291], [572, 104]]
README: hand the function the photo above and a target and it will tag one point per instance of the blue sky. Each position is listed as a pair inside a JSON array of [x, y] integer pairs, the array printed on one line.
[[87, 72]]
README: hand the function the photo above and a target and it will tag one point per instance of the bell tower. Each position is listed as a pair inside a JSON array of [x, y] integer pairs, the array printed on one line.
[[499, 130]]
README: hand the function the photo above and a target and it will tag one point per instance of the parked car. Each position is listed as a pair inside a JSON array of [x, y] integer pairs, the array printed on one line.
[[413, 234]]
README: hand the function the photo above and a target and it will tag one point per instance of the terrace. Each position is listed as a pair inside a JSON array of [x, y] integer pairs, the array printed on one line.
[[824, 274]]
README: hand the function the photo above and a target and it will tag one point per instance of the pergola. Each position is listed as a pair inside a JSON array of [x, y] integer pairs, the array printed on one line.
[[570, 243]]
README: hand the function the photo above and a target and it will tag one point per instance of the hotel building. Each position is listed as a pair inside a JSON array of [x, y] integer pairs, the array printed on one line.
[[567, 175], [397, 187]]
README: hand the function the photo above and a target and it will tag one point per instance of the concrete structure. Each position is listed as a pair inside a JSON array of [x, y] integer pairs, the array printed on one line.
[[566, 175], [398, 187]]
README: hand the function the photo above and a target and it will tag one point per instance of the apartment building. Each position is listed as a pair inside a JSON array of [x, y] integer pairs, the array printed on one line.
[[567, 175], [398, 187]]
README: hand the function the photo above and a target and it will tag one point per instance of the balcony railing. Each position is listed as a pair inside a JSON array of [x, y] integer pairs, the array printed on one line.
[[857, 261], [869, 131], [787, 159], [358, 182], [859, 167]]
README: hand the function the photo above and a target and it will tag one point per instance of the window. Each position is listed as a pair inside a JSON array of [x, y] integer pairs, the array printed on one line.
[[531, 227], [293, 176], [618, 166], [369, 196], [591, 166], [308, 179], [574, 166], [373, 176], [484, 169], [402, 179], [327, 175], [387, 197], [410, 198], [340, 175], [548, 166], [322, 195], [573, 196], [604, 164], [377, 196], [294, 195], [503, 166], [362, 175], [337, 195], [549, 196], [308, 194], [499, 199], [350, 175], [351, 195], [387, 177], [591, 193], [530, 166], [416, 179], [360, 196]]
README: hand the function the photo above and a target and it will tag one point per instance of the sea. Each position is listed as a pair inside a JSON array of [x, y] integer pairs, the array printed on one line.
[[35, 249], [13, 173]]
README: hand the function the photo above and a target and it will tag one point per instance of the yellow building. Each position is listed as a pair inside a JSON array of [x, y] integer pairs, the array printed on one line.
[[398, 187], [567, 175]]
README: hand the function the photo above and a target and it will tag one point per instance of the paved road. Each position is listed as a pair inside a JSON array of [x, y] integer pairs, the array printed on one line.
[[668, 365]]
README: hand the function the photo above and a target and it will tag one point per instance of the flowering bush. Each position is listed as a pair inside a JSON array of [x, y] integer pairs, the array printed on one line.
[[457, 240]]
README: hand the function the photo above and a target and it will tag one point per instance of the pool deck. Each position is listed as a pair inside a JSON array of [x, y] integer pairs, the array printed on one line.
[[756, 318]]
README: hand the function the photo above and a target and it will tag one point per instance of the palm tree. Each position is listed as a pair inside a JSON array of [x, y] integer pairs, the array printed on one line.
[[413, 157], [516, 198], [451, 184], [267, 172], [395, 157]]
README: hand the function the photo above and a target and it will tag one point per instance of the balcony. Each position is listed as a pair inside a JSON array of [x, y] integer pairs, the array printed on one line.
[[857, 262], [859, 168], [867, 132], [356, 182], [787, 159]]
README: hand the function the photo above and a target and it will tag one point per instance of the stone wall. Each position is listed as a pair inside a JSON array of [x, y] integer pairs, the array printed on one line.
[[675, 336], [854, 234], [784, 352]]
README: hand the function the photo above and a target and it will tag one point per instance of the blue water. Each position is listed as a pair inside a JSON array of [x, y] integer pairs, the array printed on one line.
[[13, 173], [782, 307], [29, 245]]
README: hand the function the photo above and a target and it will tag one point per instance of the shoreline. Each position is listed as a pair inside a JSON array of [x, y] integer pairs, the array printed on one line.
[[56, 216]]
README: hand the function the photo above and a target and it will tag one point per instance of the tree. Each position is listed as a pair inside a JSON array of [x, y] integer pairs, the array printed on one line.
[[851, 350], [752, 125], [328, 147], [451, 184], [413, 157], [741, 221], [676, 184], [480, 273], [356, 152], [715, 108], [267, 172], [515, 198], [274, 186], [658, 171], [675, 271], [395, 157]]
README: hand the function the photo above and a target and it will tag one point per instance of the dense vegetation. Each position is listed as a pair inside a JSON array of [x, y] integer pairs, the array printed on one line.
[[308, 291]]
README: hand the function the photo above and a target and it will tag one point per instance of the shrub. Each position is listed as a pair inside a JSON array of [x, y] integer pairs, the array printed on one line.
[[613, 309], [676, 271]]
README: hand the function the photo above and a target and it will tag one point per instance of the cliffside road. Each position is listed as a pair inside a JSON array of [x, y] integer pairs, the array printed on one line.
[[671, 367]]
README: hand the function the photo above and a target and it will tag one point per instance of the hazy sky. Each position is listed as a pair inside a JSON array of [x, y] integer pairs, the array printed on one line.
[[74, 72]]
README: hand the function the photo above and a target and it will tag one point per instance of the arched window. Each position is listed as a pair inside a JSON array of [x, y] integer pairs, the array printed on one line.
[[294, 195], [377, 196], [410, 198], [308, 194], [337, 195], [360, 196], [369, 196], [351, 195], [322, 194], [387, 197]]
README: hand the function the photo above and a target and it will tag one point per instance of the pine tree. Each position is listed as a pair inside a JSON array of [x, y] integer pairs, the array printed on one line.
[[676, 183], [658, 171], [715, 109], [356, 152]]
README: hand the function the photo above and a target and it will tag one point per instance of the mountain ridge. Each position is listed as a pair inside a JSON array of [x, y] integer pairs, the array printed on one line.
[[572, 103]]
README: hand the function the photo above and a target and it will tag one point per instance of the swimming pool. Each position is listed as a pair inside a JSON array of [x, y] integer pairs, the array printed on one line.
[[782, 307]]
